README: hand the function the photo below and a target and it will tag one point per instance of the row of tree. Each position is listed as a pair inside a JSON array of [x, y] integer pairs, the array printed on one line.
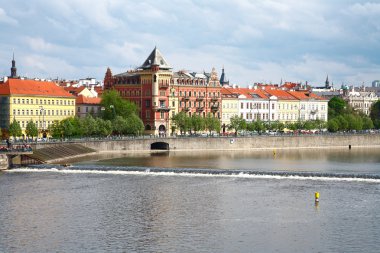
[[342, 117], [90, 126], [239, 124], [184, 123]]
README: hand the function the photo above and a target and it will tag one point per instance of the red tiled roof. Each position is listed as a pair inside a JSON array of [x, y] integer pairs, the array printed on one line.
[[305, 95], [74, 90], [280, 94], [86, 100], [32, 87]]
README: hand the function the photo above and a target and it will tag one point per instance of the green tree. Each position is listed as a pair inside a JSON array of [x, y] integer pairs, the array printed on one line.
[[181, 120], [119, 125], [367, 123], [89, 126], [212, 123], [114, 105], [134, 125], [55, 129], [333, 125], [375, 114], [259, 126], [15, 129], [197, 123], [104, 127], [31, 129], [237, 123], [337, 106], [342, 122], [67, 128]]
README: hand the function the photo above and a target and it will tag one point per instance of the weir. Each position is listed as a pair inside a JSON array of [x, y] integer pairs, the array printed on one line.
[[7, 156]]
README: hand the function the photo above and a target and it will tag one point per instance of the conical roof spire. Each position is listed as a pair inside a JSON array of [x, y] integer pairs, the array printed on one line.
[[155, 59]]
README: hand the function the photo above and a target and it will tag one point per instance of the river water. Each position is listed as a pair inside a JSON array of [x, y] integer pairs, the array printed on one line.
[[261, 201]]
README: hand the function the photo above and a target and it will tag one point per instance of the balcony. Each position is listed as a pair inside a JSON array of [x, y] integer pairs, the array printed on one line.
[[162, 108], [214, 99], [186, 109], [200, 98], [163, 85], [200, 108], [215, 108], [186, 98]]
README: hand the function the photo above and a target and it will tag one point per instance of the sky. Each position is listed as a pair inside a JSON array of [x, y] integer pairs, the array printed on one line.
[[255, 41]]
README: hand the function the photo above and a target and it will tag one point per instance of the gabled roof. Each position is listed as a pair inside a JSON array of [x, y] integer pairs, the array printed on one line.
[[280, 94], [86, 100], [155, 58], [305, 95], [32, 87], [74, 90]]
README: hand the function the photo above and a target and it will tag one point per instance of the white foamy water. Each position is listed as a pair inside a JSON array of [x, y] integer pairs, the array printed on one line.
[[178, 173]]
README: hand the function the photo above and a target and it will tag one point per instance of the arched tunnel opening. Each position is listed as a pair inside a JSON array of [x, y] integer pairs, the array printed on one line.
[[159, 146]]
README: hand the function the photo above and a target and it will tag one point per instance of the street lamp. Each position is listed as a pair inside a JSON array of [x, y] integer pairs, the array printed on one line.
[[42, 112], [113, 111]]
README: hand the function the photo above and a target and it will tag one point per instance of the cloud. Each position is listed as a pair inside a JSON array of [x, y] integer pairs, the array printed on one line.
[[4, 18], [254, 40]]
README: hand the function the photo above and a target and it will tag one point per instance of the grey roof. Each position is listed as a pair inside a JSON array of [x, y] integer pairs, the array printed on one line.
[[155, 58], [126, 74]]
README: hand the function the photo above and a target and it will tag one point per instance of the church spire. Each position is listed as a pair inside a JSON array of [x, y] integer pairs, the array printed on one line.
[[327, 83], [13, 68]]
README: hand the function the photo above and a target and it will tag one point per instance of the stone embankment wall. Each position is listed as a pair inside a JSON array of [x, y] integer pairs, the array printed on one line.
[[3, 162], [232, 143]]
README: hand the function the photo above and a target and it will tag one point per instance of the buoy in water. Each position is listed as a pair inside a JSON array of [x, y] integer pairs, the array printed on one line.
[[316, 196]]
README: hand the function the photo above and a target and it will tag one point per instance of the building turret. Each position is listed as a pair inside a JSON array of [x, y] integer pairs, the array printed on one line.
[[108, 83], [13, 69], [223, 79]]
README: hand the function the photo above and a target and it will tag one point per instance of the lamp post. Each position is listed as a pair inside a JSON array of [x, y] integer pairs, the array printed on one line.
[[113, 111], [42, 112]]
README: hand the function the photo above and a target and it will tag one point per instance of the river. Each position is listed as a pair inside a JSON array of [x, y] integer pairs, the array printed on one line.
[[261, 201]]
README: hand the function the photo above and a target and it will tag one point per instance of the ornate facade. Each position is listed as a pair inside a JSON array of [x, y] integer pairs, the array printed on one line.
[[160, 93]]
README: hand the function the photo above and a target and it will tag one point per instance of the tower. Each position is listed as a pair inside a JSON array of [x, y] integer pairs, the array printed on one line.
[[327, 83], [108, 80], [223, 78], [13, 69]]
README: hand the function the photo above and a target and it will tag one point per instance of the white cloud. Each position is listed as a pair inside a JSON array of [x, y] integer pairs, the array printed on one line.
[[4, 18], [39, 44], [254, 40]]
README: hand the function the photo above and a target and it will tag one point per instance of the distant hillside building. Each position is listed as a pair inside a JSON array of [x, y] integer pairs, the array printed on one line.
[[376, 84]]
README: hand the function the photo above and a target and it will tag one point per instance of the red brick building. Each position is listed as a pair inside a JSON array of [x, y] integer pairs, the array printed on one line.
[[160, 93]]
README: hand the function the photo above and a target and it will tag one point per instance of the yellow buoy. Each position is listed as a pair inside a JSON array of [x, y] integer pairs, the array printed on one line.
[[316, 196]]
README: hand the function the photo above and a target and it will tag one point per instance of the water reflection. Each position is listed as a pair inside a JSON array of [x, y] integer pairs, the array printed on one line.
[[365, 160]]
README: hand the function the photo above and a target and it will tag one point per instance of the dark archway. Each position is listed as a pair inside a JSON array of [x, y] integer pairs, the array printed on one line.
[[162, 128], [148, 127], [159, 146]]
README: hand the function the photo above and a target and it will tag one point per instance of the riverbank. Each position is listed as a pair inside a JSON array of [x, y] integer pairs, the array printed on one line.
[[214, 144]]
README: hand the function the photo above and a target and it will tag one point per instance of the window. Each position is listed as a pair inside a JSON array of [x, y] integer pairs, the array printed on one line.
[[78, 109], [147, 103], [241, 106], [162, 115], [147, 114], [14, 101]]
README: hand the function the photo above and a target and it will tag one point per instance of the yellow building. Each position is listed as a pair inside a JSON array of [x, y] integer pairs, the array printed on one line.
[[40, 101], [288, 109], [230, 105]]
